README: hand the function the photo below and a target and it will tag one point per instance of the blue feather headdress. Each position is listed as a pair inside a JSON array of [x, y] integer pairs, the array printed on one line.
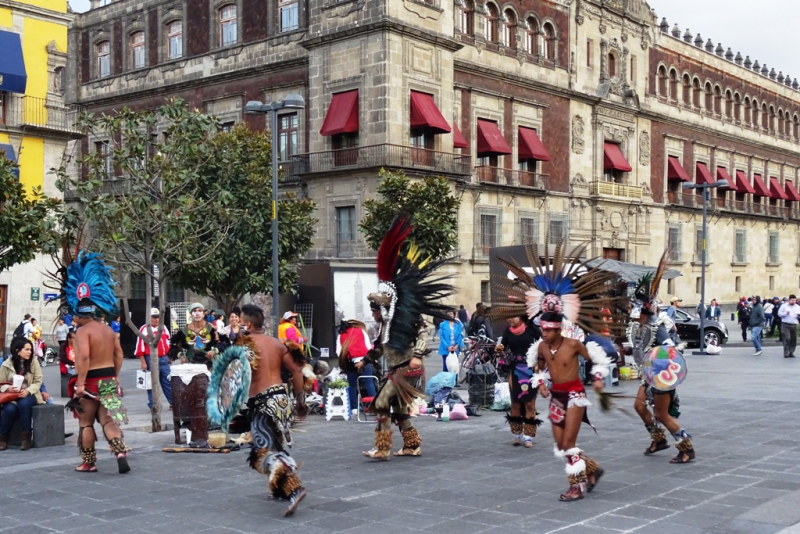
[[89, 279]]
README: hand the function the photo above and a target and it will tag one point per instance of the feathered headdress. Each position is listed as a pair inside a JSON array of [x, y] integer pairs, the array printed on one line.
[[566, 285], [646, 290], [88, 285], [406, 290]]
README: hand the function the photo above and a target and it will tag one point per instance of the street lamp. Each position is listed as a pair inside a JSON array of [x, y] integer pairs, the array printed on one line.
[[704, 188], [254, 107]]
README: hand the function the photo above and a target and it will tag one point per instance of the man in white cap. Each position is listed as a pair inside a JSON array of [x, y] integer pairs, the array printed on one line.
[[288, 331], [143, 352], [199, 333]]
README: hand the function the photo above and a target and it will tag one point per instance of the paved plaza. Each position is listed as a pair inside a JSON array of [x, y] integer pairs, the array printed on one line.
[[741, 410]]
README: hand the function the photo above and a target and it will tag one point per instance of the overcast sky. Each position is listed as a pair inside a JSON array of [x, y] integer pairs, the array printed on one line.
[[763, 30]]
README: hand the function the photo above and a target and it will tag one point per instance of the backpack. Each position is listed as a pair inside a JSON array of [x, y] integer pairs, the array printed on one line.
[[20, 330]]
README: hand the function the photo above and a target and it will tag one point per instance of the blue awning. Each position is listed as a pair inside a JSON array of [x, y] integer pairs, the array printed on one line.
[[13, 77], [10, 155]]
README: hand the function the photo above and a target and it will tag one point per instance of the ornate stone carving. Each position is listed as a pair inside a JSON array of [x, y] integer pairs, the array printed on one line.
[[578, 141], [579, 181], [579, 19], [615, 239], [644, 148]]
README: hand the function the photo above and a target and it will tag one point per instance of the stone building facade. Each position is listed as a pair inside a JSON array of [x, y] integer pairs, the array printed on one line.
[[550, 117]]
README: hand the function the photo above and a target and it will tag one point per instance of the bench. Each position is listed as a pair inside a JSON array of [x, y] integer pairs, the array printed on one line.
[[48, 427]]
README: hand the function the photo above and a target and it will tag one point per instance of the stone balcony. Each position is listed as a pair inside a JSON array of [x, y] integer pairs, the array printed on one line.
[[613, 189]]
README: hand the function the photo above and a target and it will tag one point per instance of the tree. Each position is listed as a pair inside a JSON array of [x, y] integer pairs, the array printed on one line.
[[430, 201], [242, 263], [148, 209], [28, 219]]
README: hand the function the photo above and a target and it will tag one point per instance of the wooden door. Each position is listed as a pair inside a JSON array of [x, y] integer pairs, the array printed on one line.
[[612, 254]]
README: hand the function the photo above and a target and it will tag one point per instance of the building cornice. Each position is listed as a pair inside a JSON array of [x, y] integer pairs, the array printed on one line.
[[47, 15], [446, 43], [301, 62]]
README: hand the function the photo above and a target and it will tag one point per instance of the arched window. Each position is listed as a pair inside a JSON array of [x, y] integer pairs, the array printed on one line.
[[687, 90], [696, 91], [612, 65], [796, 121], [175, 39], [661, 78], [466, 17], [103, 59], [709, 98], [771, 123], [754, 118], [729, 104], [509, 29], [781, 125], [673, 85], [549, 41], [718, 100], [748, 116], [228, 33], [531, 36], [737, 107], [764, 116], [137, 50], [492, 21]]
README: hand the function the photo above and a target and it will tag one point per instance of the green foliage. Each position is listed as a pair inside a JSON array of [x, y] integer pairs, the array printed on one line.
[[27, 220], [430, 201], [339, 383], [242, 263]]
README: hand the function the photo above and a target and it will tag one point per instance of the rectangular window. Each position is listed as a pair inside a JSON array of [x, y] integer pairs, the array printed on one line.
[[175, 293], [175, 37], [674, 242], [774, 252], [287, 135], [137, 50], [633, 69], [227, 26], [138, 286], [741, 246], [589, 53], [529, 229], [227, 127], [102, 149], [289, 15], [698, 244], [103, 60], [671, 286], [738, 284], [488, 233], [558, 229], [485, 294], [345, 229], [346, 152], [698, 282], [772, 283]]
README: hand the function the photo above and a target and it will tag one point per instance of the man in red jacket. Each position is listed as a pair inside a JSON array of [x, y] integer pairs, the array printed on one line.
[[143, 352], [352, 346]]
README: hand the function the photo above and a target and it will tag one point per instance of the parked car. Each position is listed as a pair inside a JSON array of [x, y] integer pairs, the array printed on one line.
[[688, 326]]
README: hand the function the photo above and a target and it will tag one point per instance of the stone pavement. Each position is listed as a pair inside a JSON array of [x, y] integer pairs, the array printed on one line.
[[741, 410]]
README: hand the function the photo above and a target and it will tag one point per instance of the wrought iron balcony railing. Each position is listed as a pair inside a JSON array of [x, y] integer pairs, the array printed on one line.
[[496, 175], [41, 113]]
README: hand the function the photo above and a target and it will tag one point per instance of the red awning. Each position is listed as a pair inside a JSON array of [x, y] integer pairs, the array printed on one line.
[[776, 190], [675, 171], [791, 191], [702, 174], [613, 158], [743, 184], [342, 114], [530, 146], [458, 138], [761, 189], [425, 114], [722, 174], [490, 140]]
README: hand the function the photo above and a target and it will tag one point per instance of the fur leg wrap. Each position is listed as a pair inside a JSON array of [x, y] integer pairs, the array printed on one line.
[[383, 440], [116, 445], [561, 455], [411, 439], [657, 434], [516, 429], [281, 479], [684, 445], [576, 468], [89, 456], [291, 483], [591, 465], [515, 423], [529, 426]]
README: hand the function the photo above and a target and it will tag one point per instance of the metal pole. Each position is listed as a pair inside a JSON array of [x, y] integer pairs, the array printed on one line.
[[703, 275], [275, 264]]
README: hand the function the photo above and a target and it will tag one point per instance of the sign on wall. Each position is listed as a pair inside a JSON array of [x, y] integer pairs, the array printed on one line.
[[35, 292]]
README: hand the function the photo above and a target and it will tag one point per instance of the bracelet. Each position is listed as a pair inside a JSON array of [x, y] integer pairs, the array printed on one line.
[[79, 385]]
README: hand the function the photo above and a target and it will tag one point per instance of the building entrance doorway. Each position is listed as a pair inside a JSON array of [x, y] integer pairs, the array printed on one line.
[[614, 254]]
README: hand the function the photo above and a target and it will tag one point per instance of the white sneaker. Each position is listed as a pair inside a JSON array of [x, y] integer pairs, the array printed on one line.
[[354, 411], [758, 353]]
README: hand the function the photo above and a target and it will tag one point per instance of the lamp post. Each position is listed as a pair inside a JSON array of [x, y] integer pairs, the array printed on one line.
[[704, 188], [254, 107]]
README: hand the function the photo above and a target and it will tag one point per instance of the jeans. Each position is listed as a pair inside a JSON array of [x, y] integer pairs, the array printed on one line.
[[756, 334], [163, 373], [789, 337], [744, 331], [767, 322], [21, 408], [352, 381]]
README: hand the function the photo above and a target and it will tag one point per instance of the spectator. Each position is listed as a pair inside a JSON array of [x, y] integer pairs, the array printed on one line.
[[22, 363], [451, 338], [672, 311], [463, 315], [66, 356], [143, 352], [36, 339], [68, 320], [219, 324], [744, 317], [288, 331], [479, 324], [234, 328], [768, 307], [756, 323], [209, 317], [352, 346], [62, 330], [713, 313], [24, 328], [776, 319], [115, 326], [789, 313]]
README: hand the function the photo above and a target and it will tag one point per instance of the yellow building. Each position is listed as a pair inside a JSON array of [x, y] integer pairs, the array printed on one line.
[[35, 130]]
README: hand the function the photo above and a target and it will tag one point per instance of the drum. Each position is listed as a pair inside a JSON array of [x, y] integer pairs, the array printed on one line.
[[189, 393]]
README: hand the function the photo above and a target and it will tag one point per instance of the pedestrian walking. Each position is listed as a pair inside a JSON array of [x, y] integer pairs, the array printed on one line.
[[713, 313], [143, 352], [451, 338], [463, 315], [789, 313], [776, 320], [768, 307], [756, 324], [744, 317], [61, 333]]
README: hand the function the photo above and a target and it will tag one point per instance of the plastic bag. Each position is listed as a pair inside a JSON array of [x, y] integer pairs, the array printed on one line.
[[439, 381], [458, 413], [452, 362], [502, 392]]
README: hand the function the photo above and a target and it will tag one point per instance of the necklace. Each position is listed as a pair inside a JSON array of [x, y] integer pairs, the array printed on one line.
[[553, 351]]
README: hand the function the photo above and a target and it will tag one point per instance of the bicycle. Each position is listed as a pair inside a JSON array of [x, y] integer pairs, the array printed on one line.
[[478, 352]]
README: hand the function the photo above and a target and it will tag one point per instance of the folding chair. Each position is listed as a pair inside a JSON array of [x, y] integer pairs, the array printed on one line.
[[365, 403]]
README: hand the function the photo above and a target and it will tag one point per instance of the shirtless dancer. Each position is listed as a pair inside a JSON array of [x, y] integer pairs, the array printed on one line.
[[270, 411], [559, 355]]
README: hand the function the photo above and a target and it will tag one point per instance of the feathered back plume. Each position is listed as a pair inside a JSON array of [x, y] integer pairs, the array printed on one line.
[[658, 275], [391, 245], [88, 277]]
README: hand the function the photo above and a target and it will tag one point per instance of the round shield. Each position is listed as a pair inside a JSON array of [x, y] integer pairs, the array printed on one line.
[[664, 368], [228, 386]]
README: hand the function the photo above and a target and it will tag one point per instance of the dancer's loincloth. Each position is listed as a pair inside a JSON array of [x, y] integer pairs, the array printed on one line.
[[271, 419], [406, 383], [564, 396], [100, 386]]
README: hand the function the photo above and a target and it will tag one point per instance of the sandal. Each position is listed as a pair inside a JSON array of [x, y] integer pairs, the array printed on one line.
[[122, 463], [376, 454], [86, 468], [680, 460], [597, 475], [574, 494], [409, 452], [660, 446], [517, 442], [528, 444]]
